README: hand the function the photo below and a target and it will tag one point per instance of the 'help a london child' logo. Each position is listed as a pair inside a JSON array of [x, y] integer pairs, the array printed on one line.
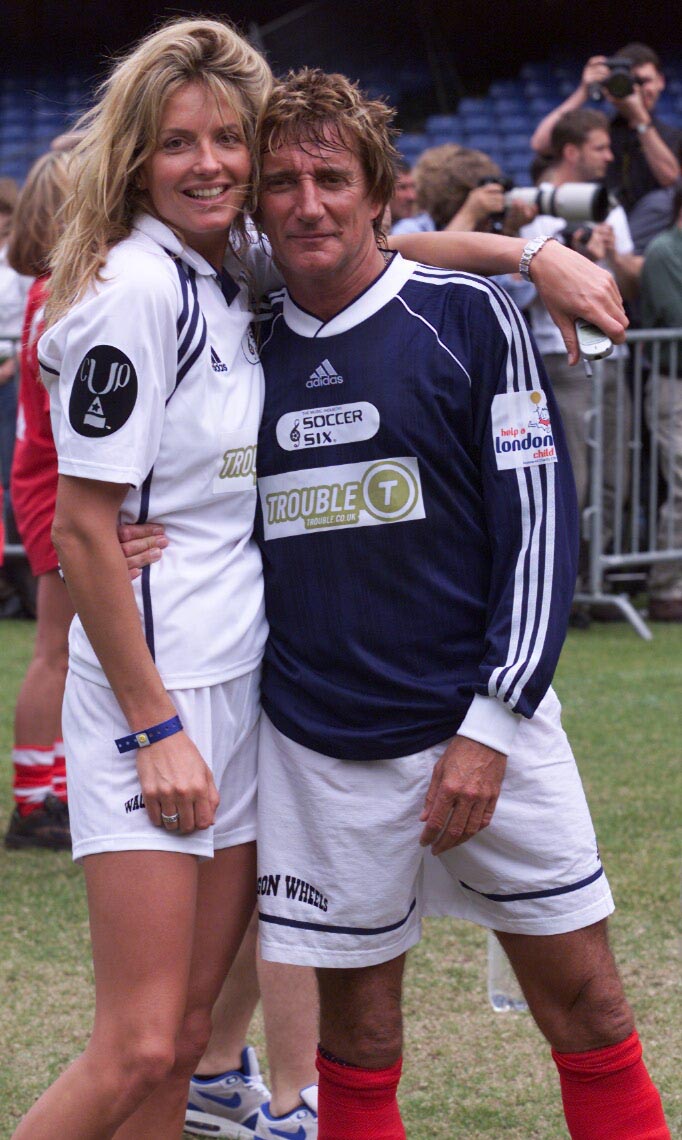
[[522, 430]]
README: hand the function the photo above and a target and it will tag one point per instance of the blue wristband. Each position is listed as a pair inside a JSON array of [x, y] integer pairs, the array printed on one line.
[[150, 735]]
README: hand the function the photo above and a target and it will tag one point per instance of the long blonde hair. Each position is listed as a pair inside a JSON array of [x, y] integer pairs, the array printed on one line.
[[121, 130]]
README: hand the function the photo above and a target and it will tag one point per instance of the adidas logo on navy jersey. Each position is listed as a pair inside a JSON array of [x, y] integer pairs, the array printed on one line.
[[324, 374], [216, 363]]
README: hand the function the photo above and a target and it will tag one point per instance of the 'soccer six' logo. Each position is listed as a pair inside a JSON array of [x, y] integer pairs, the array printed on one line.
[[323, 427], [104, 392], [351, 494], [522, 430]]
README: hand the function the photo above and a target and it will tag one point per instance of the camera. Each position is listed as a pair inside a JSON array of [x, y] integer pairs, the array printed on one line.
[[575, 234], [619, 82], [573, 201]]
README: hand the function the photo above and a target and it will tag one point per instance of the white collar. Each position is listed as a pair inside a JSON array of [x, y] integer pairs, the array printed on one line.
[[378, 294], [163, 235]]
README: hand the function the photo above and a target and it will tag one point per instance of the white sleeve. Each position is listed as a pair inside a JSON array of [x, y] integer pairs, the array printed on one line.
[[621, 229], [111, 364]]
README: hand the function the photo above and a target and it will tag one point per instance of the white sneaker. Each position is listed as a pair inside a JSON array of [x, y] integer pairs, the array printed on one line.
[[227, 1105], [299, 1124]]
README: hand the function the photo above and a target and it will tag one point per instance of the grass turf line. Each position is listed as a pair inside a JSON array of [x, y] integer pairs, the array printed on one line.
[[468, 1072]]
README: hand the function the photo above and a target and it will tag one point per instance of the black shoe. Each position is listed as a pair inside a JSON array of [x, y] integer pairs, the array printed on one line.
[[47, 826]]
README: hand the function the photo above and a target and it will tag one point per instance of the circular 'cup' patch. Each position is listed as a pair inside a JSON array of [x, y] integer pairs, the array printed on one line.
[[104, 392]]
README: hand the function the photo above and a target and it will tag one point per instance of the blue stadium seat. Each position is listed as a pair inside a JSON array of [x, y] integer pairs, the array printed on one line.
[[508, 106], [442, 123], [468, 108], [490, 141], [472, 124], [440, 138], [515, 141], [540, 107], [517, 124], [506, 89], [411, 145]]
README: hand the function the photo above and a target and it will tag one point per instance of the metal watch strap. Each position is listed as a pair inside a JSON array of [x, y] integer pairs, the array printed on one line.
[[529, 250]]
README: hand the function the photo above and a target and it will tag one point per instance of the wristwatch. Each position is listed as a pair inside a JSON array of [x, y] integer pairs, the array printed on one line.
[[642, 128], [529, 250]]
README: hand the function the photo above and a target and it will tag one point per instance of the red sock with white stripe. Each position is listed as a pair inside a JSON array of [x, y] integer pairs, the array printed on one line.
[[609, 1095], [33, 768], [59, 772], [357, 1104]]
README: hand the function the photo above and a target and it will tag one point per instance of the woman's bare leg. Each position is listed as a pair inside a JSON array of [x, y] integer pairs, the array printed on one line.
[[142, 907], [225, 900]]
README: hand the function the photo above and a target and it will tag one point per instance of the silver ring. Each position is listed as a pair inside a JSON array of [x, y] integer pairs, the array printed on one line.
[[166, 819]]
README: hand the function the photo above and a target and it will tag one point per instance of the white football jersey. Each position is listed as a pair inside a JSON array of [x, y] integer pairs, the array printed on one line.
[[155, 381]]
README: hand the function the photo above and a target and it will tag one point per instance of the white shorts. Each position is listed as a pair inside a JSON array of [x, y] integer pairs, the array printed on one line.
[[106, 807], [343, 882]]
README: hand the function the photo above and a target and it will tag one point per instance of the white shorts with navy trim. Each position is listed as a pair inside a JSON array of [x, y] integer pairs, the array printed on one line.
[[343, 882], [106, 807]]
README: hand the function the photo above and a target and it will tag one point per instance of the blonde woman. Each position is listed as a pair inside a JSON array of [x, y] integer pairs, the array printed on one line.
[[156, 393]]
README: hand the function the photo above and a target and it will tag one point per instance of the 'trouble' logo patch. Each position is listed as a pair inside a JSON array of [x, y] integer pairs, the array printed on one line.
[[104, 392]]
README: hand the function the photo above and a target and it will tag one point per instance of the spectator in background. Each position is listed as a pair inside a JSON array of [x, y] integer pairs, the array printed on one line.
[[646, 151], [661, 302], [459, 189], [40, 817], [13, 290], [404, 201], [581, 152]]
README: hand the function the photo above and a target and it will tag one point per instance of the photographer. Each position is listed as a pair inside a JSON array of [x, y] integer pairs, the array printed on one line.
[[581, 152], [646, 151], [461, 189]]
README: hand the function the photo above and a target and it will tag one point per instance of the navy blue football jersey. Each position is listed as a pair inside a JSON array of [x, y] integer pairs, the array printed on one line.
[[417, 516]]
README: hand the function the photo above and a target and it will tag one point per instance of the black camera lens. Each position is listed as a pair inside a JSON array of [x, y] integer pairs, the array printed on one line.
[[619, 85]]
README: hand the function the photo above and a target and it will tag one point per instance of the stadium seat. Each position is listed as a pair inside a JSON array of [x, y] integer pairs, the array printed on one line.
[[505, 89], [468, 108], [442, 123], [539, 107], [441, 138], [517, 124], [488, 141], [472, 124], [535, 90]]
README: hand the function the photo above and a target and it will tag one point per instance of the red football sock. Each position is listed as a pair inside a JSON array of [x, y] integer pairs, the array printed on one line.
[[33, 765], [59, 772], [609, 1095], [358, 1104]]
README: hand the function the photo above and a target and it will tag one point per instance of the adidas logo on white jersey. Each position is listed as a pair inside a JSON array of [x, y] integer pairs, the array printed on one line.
[[324, 374], [216, 363]]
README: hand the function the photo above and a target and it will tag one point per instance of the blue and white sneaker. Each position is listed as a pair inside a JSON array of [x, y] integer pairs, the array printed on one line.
[[300, 1124], [227, 1105]]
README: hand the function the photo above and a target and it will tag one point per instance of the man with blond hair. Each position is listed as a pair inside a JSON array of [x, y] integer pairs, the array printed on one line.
[[418, 529]]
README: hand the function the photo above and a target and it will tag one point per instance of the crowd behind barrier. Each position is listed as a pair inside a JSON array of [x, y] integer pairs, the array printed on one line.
[[641, 524], [640, 527]]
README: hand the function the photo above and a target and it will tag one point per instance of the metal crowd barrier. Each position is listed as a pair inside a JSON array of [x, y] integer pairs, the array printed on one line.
[[621, 519]]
